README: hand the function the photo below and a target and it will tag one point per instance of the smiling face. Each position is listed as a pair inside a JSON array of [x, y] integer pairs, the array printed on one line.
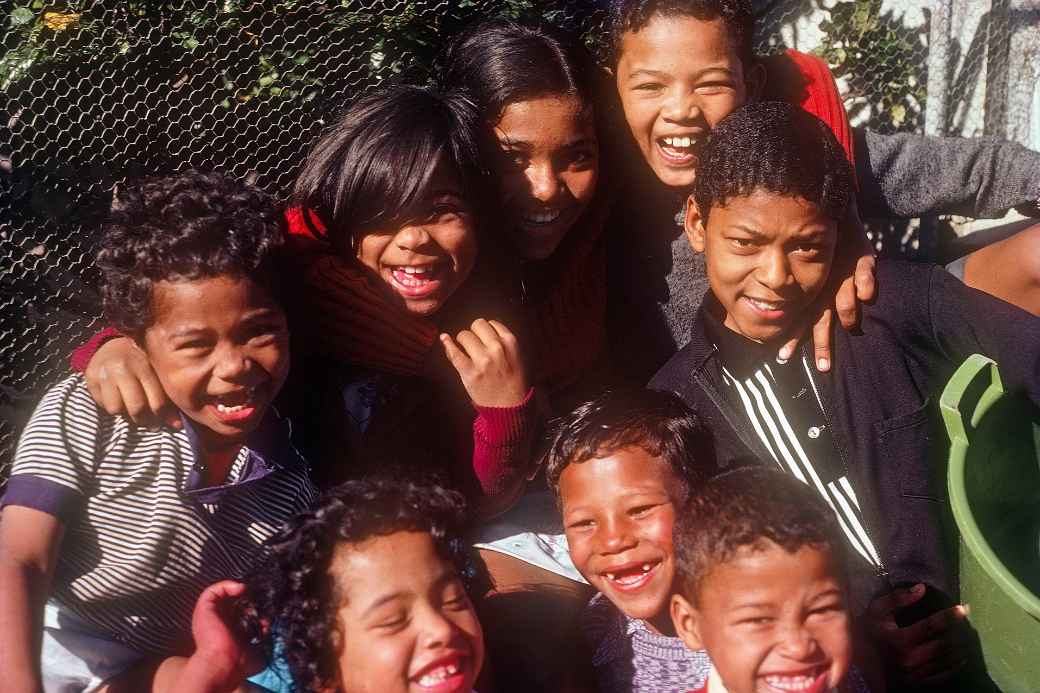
[[411, 630], [677, 77], [771, 621], [768, 256], [424, 261], [220, 348], [618, 514], [548, 169]]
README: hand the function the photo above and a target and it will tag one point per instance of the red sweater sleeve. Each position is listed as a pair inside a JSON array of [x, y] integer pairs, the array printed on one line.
[[503, 440], [805, 80], [80, 358]]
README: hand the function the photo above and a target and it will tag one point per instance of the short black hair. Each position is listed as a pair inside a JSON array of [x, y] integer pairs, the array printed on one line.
[[373, 166], [501, 61], [294, 595], [634, 15], [656, 421], [742, 509], [192, 225], [776, 147]]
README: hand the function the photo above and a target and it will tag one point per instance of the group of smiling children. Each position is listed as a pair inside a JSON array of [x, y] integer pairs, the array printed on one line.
[[459, 267]]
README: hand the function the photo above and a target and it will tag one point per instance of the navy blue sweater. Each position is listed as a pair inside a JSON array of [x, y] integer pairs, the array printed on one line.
[[881, 401]]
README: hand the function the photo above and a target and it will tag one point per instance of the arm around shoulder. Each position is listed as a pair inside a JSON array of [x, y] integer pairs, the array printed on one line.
[[910, 175]]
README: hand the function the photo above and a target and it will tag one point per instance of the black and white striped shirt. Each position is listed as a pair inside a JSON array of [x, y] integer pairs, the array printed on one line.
[[783, 406], [142, 537]]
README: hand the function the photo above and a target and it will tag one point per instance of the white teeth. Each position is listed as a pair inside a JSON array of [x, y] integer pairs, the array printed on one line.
[[408, 269], [679, 142], [791, 683], [611, 576], [766, 305], [224, 409], [439, 674], [646, 567], [544, 217]]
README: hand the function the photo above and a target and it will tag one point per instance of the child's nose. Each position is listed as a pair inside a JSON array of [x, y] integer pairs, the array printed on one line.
[[616, 537], [232, 364], [412, 236], [437, 630], [775, 270], [681, 107], [545, 184], [797, 643]]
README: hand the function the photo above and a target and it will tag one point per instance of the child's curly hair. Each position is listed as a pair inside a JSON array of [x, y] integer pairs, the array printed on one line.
[[192, 225], [294, 595]]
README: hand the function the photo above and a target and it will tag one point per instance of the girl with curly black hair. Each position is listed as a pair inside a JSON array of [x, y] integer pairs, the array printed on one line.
[[365, 592]]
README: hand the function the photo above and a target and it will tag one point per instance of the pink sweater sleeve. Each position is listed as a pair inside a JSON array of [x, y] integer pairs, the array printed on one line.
[[80, 358], [503, 440]]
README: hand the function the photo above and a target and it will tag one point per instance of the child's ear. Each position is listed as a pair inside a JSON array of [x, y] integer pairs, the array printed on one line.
[[755, 81], [693, 224], [686, 620]]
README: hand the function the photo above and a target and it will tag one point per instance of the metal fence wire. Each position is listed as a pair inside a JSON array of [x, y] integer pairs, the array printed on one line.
[[96, 92]]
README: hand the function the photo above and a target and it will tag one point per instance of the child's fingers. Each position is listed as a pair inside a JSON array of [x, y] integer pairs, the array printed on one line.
[[884, 607], [846, 303], [480, 346], [866, 279], [787, 350], [456, 356], [488, 335], [504, 333], [134, 399], [938, 625], [822, 341]]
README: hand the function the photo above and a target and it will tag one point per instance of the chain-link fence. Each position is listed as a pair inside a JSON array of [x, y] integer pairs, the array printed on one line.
[[95, 91]]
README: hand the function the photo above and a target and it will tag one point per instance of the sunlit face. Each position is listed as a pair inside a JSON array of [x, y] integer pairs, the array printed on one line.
[[548, 169], [618, 514], [771, 621], [220, 348], [405, 620], [426, 259], [677, 77], [768, 257]]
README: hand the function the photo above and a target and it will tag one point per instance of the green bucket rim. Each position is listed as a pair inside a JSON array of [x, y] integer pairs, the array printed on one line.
[[971, 534]]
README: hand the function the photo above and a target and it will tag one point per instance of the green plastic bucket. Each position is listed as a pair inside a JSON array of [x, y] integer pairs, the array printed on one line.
[[994, 486]]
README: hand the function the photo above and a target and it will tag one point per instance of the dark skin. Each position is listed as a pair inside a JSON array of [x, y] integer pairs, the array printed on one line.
[[677, 77]]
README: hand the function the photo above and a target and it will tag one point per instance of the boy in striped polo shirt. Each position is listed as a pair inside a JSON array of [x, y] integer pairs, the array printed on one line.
[[110, 531], [772, 184]]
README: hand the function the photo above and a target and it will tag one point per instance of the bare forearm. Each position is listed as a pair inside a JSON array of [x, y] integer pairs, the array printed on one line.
[[23, 592]]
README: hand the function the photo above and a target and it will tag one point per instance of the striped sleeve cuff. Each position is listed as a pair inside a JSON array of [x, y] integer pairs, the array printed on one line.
[[38, 493]]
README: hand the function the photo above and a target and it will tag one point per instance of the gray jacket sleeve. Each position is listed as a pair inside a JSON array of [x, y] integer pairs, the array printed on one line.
[[910, 175]]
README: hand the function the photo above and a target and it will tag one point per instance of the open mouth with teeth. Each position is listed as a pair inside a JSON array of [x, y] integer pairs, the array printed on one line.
[[769, 310], [445, 675], [677, 150], [633, 576], [542, 218], [814, 681], [416, 281], [235, 407]]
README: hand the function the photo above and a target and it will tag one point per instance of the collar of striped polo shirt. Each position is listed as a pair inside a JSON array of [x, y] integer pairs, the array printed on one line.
[[780, 401], [267, 449]]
